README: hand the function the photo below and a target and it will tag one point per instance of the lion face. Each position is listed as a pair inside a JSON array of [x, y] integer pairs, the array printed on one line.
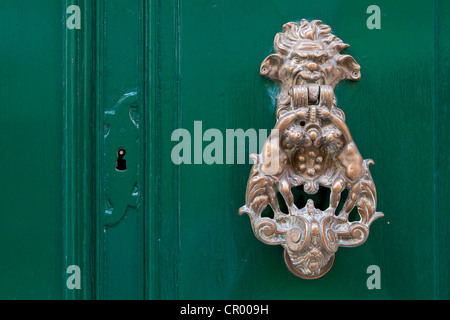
[[308, 53], [307, 63]]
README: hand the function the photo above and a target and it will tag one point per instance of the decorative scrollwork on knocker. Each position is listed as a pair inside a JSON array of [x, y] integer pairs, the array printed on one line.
[[310, 146]]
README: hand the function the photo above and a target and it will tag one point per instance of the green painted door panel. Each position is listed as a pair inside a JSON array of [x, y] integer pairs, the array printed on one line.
[[31, 143], [138, 70], [391, 113]]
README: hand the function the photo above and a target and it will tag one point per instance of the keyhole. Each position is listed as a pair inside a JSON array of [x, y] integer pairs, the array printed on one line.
[[121, 163]]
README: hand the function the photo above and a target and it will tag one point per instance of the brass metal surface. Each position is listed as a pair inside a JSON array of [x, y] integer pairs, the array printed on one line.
[[310, 146]]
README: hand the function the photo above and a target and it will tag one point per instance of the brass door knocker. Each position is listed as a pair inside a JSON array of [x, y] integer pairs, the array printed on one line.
[[310, 146]]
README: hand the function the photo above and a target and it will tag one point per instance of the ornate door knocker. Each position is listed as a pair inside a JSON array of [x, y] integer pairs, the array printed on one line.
[[310, 146]]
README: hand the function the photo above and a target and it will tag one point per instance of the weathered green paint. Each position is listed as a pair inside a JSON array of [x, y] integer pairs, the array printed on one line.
[[178, 234]]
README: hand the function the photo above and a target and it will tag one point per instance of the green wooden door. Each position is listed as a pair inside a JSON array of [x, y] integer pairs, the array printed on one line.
[[137, 75]]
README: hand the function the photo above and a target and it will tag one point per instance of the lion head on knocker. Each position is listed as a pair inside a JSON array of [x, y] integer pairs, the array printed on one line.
[[308, 53]]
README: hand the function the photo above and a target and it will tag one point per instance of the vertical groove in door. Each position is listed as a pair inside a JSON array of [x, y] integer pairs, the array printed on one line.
[[442, 141], [152, 149], [99, 141], [162, 179], [436, 155], [78, 152], [179, 125]]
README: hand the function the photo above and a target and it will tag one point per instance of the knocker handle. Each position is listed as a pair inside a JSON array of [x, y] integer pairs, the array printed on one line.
[[305, 95], [326, 97]]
